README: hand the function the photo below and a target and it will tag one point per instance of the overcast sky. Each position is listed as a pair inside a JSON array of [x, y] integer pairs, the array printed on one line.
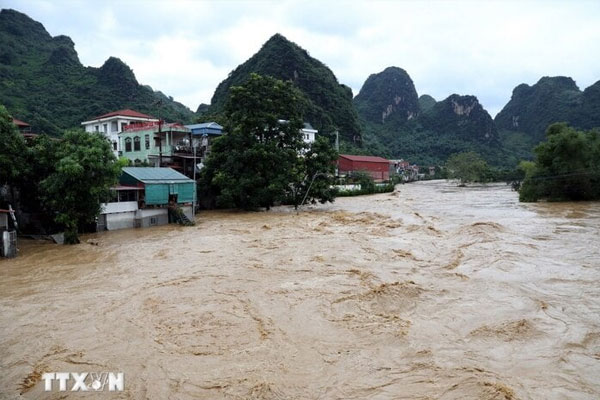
[[483, 48]]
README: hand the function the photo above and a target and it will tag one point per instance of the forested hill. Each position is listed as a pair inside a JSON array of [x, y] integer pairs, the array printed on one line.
[[532, 109], [399, 124], [43, 82], [330, 103], [388, 96]]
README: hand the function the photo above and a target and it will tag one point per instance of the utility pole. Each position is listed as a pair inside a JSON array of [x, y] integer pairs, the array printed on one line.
[[159, 142], [159, 104]]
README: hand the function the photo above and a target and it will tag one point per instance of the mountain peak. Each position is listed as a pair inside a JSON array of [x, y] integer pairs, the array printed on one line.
[[532, 108], [330, 103], [19, 24], [389, 94]]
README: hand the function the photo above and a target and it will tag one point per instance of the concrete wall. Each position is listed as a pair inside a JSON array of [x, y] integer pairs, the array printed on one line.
[[118, 207], [151, 217], [122, 220]]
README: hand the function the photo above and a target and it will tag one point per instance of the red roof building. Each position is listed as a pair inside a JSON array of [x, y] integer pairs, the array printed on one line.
[[20, 124], [378, 167], [124, 113]]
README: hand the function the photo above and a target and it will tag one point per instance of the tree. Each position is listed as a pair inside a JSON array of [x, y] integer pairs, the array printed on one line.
[[85, 170], [12, 151], [259, 161], [467, 167], [317, 168], [566, 167]]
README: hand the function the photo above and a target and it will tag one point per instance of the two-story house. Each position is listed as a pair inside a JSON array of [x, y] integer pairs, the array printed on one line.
[[113, 123]]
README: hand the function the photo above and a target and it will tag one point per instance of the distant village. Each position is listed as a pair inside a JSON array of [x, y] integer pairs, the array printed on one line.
[[159, 186]]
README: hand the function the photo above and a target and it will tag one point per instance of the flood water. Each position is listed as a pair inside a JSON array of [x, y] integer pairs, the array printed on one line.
[[430, 292]]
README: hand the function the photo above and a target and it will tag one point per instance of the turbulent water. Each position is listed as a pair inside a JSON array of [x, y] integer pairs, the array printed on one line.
[[430, 292]]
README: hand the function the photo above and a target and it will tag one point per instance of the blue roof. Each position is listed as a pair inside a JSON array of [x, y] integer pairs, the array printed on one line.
[[206, 128], [155, 175]]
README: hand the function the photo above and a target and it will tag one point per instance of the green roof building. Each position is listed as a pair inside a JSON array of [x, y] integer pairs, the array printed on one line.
[[161, 186]]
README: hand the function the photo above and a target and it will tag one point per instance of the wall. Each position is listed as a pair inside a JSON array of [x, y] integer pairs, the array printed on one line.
[[378, 170], [118, 207], [152, 217], [124, 220]]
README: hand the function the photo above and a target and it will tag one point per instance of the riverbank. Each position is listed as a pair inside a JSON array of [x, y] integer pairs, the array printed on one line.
[[432, 291]]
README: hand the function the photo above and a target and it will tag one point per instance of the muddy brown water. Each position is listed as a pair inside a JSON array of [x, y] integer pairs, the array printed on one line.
[[431, 292]]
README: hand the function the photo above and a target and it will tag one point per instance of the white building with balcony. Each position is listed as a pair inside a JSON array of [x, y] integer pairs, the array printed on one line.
[[113, 123]]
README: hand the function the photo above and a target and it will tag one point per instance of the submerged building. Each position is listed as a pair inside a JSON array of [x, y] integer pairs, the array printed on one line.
[[149, 196]]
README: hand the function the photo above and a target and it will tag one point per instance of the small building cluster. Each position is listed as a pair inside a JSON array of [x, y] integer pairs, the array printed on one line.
[[160, 187]]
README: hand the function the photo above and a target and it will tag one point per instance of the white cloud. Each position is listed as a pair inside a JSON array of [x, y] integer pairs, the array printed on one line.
[[185, 48]]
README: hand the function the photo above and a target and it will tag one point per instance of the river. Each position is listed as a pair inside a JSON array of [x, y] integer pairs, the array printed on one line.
[[430, 292]]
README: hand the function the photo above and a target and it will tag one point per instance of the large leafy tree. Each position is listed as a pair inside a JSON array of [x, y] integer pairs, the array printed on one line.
[[467, 167], [262, 159], [12, 150], [567, 166], [84, 170]]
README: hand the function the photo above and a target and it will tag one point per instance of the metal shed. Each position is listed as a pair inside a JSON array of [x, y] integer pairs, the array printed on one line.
[[161, 185]]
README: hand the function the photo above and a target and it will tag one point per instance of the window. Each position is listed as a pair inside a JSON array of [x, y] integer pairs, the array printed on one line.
[[113, 126], [123, 124], [115, 146], [136, 144], [105, 127], [147, 140], [128, 144], [127, 195], [153, 220], [97, 128]]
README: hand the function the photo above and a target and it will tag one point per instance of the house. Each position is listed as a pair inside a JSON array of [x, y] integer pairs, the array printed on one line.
[[202, 137], [155, 143], [25, 129], [404, 170], [113, 123], [377, 167], [308, 133], [149, 196]]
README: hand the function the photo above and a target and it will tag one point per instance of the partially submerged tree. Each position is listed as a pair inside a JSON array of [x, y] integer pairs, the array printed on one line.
[[85, 169], [567, 166], [12, 150], [259, 161], [467, 167]]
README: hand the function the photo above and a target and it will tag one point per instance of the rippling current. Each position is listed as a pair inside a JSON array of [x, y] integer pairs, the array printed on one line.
[[430, 292]]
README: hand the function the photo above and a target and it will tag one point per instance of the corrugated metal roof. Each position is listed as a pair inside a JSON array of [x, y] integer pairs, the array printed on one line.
[[365, 158], [155, 175], [20, 123], [211, 125]]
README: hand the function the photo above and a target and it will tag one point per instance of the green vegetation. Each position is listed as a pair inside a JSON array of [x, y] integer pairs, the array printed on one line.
[[426, 102], [65, 180], [328, 103], [398, 124], [566, 167], [259, 161], [388, 96], [467, 167], [12, 151], [367, 185], [531, 109], [43, 83]]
